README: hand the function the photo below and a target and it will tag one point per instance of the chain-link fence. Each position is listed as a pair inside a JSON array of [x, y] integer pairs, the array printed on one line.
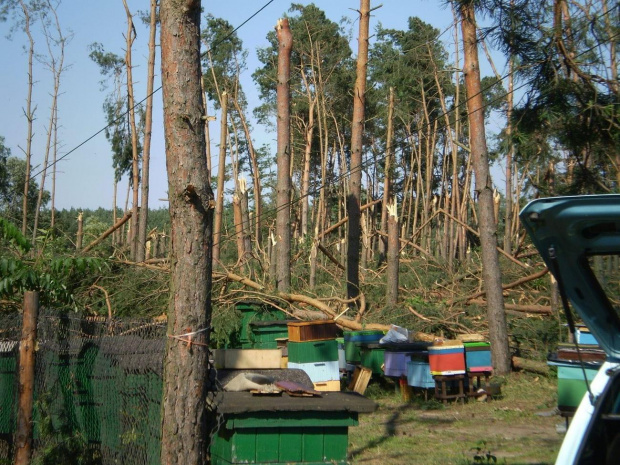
[[98, 389]]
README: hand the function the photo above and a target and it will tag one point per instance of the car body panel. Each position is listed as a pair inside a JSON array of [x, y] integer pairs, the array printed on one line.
[[573, 229]]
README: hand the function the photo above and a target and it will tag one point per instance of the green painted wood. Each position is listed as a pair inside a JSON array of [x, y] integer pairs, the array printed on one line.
[[313, 443], [290, 444], [244, 446], [313, 351], [336, 443], [373, 359], [267, 444]]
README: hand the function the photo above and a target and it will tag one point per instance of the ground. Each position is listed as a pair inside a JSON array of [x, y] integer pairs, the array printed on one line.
[[518, 428]]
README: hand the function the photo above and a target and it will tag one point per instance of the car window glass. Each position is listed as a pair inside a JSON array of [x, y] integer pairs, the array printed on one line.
[[606, 268]]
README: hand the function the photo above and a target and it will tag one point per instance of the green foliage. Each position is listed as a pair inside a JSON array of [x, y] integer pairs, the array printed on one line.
[[12, 186], [13, 236], [62, 444]]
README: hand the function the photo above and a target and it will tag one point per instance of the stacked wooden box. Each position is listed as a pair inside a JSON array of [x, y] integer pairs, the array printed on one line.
[[312, 347]]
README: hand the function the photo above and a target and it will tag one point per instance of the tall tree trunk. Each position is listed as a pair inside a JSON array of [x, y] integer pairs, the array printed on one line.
[[29, 113], [135, 169], [56, 67], [393, 249], [185, 432], [355, 180], [285, 40], [491, 272], [258, 210], [509, 197], [55, 157], [148, 125], [389, 151], [221, 175]]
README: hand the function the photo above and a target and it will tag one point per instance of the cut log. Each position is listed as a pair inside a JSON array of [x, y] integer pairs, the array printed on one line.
[[533, 366]]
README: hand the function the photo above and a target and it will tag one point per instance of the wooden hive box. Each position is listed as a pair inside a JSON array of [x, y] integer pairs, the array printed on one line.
[[303, 331]]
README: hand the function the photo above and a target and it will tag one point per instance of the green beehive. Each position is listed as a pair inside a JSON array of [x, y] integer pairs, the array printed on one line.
[[263, 334], [313, 351], [372, 356], [353, 339], [254, 312], [279, 431]]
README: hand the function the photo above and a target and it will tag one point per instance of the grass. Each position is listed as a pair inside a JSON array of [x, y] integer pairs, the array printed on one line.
[[510, 429]]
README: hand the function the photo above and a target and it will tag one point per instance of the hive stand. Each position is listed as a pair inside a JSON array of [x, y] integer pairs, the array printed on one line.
[[475, 384], [450, 387]]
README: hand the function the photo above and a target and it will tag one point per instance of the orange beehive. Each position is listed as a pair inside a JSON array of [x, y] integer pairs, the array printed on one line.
[[302, 331]]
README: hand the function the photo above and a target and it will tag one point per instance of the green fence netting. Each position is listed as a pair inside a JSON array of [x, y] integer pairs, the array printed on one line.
[[98, 389]]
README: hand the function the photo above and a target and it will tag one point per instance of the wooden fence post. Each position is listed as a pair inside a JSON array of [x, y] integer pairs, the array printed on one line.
[[27, 343]]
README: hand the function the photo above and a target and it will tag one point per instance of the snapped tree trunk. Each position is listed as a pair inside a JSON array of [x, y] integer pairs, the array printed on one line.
[[221, 173], [135, 169], [283, 196], [355, 179], [185, 433], [386, 175], [393, 249], [148, 125], [29, 113], [491, 273]]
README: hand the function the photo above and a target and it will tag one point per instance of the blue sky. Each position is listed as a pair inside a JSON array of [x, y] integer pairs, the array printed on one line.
[[85, 177]]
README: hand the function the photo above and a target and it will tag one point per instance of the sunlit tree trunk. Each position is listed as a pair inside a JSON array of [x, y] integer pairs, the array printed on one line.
[[491, 273], [355, 178], [135, 169], [29, 113], [283, 195], [56, 68], [221, 176], [185, 433], [148, 124]]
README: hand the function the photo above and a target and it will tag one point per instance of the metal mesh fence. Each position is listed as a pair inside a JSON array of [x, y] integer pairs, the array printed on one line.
[[98, 389]]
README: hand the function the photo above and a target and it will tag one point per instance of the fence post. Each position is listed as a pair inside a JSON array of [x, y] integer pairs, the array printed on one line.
[[26, 378]]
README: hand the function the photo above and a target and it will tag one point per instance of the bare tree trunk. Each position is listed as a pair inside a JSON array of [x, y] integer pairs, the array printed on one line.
[[355, 180], [237, 219], [55, 155], [245, 218], [491, 272], [185, 432], [80, 231], [221, 174], [29, 113], [509, 205], [283, 198], [148, 125], [258, 210], [389, 141], [27, 351], [135, 169], [56, 67], [391, 297]]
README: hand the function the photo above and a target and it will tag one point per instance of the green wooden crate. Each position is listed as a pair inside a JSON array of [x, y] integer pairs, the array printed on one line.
[[265, 333], [279, 438], [373, 358], [254, 311], [313, 351]]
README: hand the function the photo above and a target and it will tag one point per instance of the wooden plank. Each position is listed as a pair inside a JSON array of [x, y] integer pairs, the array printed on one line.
[[361, 377]]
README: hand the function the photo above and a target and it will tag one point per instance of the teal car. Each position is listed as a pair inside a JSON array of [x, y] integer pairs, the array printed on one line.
[[579, 240]]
